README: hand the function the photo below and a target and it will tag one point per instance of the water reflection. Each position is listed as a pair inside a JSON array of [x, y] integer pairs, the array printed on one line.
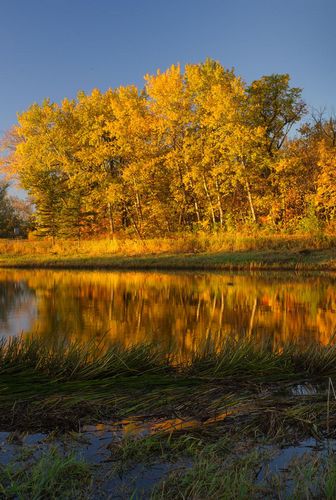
[[179, 309], [17, 306]]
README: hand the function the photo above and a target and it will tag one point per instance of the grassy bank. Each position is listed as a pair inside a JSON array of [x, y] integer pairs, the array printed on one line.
[[214, 426], [202, 251], [57, 386]]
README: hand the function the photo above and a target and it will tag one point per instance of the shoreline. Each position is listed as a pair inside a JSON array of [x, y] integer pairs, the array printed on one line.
[[302, 260], [68, 408], [92, 383]]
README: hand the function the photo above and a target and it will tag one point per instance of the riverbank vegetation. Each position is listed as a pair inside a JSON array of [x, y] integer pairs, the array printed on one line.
[[201, 251], [240, 418], [194, 150], [54, 384], [49, 475]]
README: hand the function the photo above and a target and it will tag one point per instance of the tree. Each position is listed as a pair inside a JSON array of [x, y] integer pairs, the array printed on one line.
[[326, 182], [15, 214], [275, 106], [195, 148]]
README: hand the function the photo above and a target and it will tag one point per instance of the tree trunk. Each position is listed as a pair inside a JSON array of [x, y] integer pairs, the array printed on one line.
[[206, 189], [111, 221], [137, 202], [197, 210], [248, 189], [220, 208], [195, 202], [135, 225], [181, 217]]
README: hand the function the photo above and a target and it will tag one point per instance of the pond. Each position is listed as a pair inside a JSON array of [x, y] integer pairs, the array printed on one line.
[[176, 310]]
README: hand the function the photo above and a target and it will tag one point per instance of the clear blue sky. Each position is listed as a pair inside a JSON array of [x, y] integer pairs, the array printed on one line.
[[56, 47]]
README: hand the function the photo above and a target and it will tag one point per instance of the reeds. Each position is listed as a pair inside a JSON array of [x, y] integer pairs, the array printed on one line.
[[61, 384], [62, 360], [236, 360]]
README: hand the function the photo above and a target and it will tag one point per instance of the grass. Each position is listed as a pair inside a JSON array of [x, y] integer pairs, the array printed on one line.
[[200, 251], [239, 361], [214, 476], [212, 416], [62, 385], [206, 466], [51, 476], [216, 465], [201, 465]]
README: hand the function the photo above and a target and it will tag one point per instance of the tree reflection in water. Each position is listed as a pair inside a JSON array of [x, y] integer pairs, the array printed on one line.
[[17, 305], [180, 310]]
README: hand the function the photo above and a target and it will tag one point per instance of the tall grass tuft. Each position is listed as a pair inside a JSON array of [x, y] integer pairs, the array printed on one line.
[[237, 360], [240, 360], [74, 360], [52, 476]]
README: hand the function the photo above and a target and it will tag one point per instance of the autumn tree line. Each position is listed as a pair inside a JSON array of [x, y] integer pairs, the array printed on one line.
[[193, 149]]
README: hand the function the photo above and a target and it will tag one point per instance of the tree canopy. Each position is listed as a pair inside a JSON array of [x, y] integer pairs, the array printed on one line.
[[193, 149]]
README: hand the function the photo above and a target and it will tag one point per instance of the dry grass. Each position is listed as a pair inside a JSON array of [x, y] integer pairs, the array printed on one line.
[[202, 251], [201, 242]]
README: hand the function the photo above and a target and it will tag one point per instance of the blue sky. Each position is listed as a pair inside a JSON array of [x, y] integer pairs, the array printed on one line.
[[53, 48]]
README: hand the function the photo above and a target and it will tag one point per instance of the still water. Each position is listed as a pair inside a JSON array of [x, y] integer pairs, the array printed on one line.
[[176, 309]]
